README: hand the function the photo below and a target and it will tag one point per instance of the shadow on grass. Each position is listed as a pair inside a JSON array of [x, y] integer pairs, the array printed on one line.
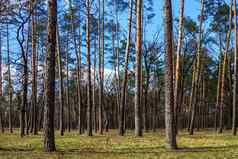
[[121, 151], [205, 148]]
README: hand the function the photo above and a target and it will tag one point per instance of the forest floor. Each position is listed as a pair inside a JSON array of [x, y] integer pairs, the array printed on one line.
[[202, 145]]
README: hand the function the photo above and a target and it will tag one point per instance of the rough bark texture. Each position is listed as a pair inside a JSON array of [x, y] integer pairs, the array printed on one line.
[[89, 87], [169, 100], [49, 137], [138, 116]]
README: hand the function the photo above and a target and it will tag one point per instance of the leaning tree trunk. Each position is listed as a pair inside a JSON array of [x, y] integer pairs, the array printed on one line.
[[224, 66], [34, 74], [124, 84], [178, 72], [197, 76], [49, 137], [169, 99], [78, 58]]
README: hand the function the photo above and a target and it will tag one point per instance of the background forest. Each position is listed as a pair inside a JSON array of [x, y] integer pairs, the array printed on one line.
[[118, 73]]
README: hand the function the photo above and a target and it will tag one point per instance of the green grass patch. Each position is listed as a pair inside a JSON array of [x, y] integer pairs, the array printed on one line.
[[202, 145]]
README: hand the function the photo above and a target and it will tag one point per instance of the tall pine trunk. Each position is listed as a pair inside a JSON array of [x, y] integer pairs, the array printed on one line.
[[234, 122], [218, 96], [94, 83], [9, 84], [197, 76], [138, 116], [34, 73], [178, 72], [49, 109], [67, 89], [61, 87], [169, 94], [100, 100], [125, 79], [224, 69], [1, 110], [89, 87]]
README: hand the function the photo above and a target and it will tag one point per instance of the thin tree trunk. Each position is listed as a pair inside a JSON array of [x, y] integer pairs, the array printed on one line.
[[78, 58], [224, 66], [9, 84], [100, 101], [28, 107], [138, 121], [1, 97], [67, 89], [147, 80], [177, 91], [61, 88], [34, 74], [125, 79], [191, 97], [218, 91], [197, 69], [117, 55], [89, 87], [234, 120], [94, 83]]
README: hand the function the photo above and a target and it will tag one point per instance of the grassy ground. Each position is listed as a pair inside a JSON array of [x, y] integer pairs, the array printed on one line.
[[202, 145]]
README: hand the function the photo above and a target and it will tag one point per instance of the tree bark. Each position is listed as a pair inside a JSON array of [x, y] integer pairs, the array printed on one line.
[[61, 88], [1, 97], [197, 76], [9, 84], [224, 66], [138, 116], [94, 83], [169, 99], [218, 97], [101, 70], [178, 65], [67, 90], [34, 73], [89, 87], [234, 120], [49, 137]]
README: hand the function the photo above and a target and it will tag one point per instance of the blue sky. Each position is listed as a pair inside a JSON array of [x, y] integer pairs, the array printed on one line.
[[191, 9]]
